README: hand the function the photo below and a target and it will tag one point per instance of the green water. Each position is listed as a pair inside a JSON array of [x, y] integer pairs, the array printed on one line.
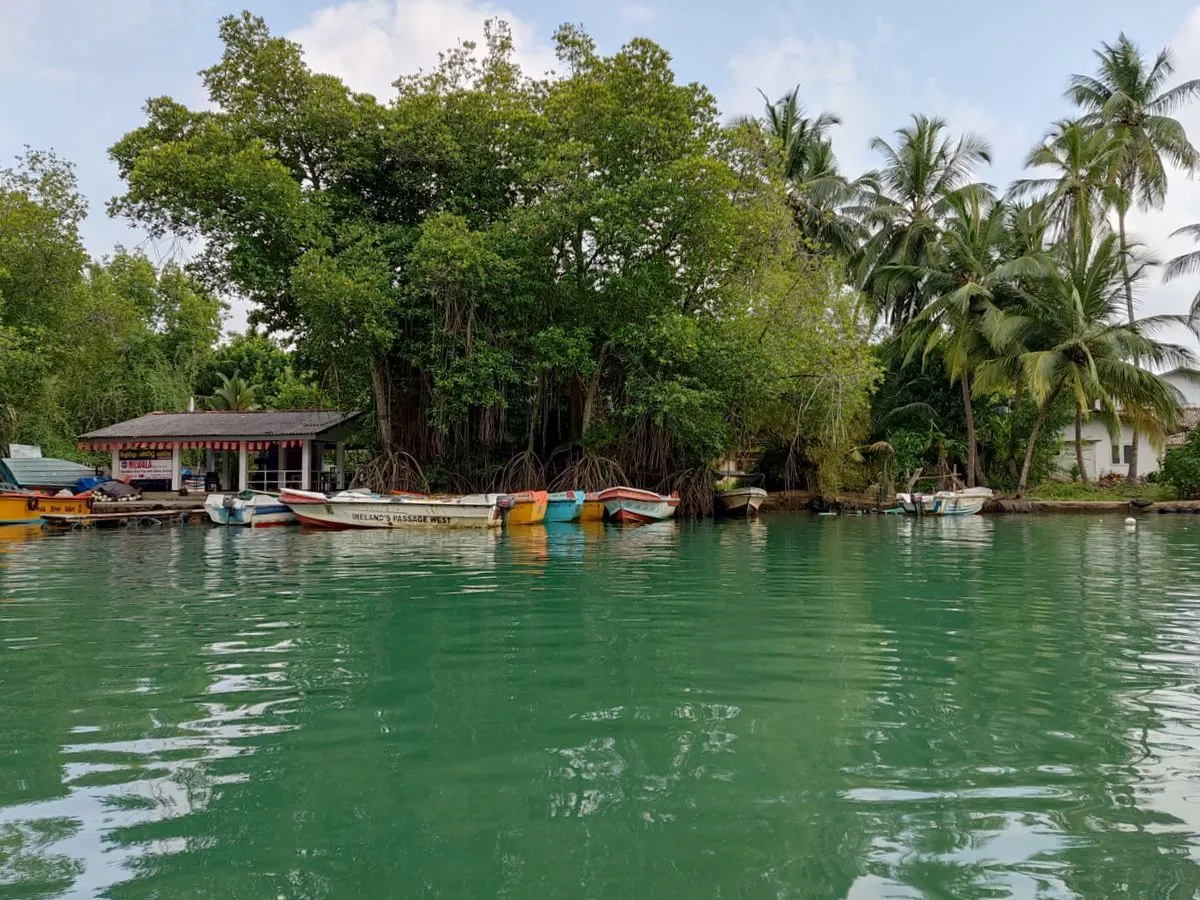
[[800, 707]]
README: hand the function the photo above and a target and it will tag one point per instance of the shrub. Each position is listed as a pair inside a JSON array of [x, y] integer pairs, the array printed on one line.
[[1181, 468]]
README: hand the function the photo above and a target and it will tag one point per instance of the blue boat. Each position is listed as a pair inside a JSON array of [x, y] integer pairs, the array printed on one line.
[[565, 506]]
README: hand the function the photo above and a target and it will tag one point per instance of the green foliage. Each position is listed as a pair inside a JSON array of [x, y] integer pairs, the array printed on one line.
[[233, 395], [1120, 491], [1181, 468]]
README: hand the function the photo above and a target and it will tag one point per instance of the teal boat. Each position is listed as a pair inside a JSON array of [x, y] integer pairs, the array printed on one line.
[[565, 506]]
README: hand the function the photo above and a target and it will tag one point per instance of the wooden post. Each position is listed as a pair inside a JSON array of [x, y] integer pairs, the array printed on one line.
[[341, 466], [116, 462], [243, 466], [305, 465], [176, 467]]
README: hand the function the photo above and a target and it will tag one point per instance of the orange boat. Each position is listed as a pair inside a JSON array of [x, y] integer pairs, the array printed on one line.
[[633, 505], [593, 508], [529, 508], [27, 508]]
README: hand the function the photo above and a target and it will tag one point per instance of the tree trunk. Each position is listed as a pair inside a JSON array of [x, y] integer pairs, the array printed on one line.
[[1083, 475], [1133, 456], [972, 449], [1023, 483], [593, 392], [381, 390]]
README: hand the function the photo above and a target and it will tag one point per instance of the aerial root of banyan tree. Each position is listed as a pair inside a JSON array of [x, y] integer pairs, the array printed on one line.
[[524, 472], [695, 489], [590, 472], [392, 471]]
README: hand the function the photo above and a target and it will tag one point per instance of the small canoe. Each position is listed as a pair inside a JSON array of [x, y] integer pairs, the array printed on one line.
[[28, 508], [593, 508], [565, 506], [946, 503], [741, 501], [362, 509], [529, 508], [253, 509], [635, 506]]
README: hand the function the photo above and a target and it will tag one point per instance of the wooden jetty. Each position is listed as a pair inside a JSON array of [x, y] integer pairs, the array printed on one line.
[[123, 518]]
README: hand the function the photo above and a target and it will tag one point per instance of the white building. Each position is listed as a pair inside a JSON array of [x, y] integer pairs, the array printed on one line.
[[1102, 455]]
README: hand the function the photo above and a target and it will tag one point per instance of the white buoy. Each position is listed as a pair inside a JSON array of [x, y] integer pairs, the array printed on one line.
[[1131, 521]]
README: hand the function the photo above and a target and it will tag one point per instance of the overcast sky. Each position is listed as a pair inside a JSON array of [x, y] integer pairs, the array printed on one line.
[[75, 73]]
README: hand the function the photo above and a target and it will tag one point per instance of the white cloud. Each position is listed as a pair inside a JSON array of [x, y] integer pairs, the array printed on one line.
[[370, 43]]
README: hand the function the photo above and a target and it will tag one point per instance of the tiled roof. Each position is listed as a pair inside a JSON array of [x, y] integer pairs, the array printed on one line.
[[221, 424], [1189, 418]]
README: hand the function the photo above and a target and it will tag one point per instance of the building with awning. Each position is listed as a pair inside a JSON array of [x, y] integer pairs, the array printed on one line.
[[272, 448]]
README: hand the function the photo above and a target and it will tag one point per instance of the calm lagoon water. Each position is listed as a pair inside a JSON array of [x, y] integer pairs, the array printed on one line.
[[856, 707]]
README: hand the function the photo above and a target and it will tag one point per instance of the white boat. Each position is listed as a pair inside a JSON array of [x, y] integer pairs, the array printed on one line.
[[741, 501], [967, 502], [256, 509], [363, 509]]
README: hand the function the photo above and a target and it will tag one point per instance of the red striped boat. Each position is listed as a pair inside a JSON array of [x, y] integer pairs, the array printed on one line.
[[635, 506]]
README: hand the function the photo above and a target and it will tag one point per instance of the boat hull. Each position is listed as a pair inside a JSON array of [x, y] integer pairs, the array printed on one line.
[[370, 511], [28, 509], [566, 506], [946, 503], [592, 510], [631, 506], [257, 511], [741, 501], [529, 508]]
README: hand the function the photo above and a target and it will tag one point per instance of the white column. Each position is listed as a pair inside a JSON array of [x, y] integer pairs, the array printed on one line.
[[341, 465], [243, 467], [116, 462], [176, 472], [226, 470], [280, 465], [305, 465], [210, 464]]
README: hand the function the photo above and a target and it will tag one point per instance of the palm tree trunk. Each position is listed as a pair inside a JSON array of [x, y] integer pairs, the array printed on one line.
[[1083, 475], [1023, 483], [1133, 456], [972, 449]]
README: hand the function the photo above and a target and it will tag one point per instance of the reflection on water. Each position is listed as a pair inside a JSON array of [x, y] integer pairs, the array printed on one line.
[[854, 707]]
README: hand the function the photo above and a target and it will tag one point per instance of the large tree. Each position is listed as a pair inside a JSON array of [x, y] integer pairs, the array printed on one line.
[[920, 172], [1128, 98]]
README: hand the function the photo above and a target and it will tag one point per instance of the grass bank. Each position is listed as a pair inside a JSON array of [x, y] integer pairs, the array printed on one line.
[[1118, 491]]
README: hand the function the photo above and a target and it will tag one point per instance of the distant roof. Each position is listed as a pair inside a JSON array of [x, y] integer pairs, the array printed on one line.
[[303, 423], [43, 472], [1189, 418]]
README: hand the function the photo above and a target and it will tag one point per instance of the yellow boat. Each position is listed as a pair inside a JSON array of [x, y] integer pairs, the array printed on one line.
[[593, 509], [529, 508], [27, 508]]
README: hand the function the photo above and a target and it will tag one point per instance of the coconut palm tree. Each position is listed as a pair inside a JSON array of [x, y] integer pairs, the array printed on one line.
[[1128, 98], [1186, 264], [1068, 337], [1080, 160], [234, 395], [822, 198], [967, 283], [919, 174]]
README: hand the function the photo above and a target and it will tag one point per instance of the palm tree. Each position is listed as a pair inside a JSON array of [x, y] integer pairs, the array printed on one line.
[[234, 395], [1067, 337], [920, 172], [1081, 160], [967, 284], [1128, 98], [1186, 264], [822, 199]]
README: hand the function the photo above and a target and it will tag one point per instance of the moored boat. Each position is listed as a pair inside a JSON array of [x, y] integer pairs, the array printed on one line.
[[362, 509], [565, 506], [27, 508], [256, 509], [529, 508], [593, 508], [741, 501], [967, 502], [635, 506]]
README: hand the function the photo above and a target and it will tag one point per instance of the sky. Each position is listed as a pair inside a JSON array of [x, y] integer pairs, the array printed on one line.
[[74, 74]]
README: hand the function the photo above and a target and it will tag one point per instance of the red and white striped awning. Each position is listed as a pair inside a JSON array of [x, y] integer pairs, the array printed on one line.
[[187, 445]]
